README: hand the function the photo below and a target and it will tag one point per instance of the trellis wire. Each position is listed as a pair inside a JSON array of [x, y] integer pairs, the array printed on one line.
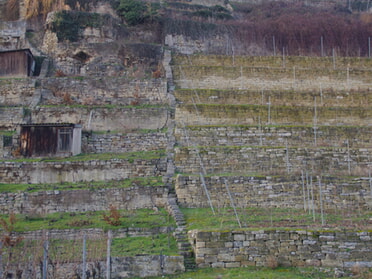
[[84, 269], [321, 200], [312, 197], [232, 203], [315, 122], [303, 189]]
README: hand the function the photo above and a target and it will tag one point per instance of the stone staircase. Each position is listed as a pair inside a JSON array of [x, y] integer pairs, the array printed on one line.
[[180, 233]]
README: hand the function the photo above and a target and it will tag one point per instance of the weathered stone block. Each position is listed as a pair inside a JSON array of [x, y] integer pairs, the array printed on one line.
[[239, 237], [225, 257], [233, 264], [200, 244]]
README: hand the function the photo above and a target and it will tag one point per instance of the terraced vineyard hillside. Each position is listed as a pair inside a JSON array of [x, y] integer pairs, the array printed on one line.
[[266, 134]]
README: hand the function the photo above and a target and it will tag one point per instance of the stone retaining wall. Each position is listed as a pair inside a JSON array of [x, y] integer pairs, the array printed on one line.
[[305, 62], [238, 248], [70, 171], [99, 91], [11, 117], [320, 97], [121, 267], [83, 200], [214, 114], [270, 78], [16, 91], [273, 160], [104, 118], [282, 192], [123, 142], [91, 118], [239, 135], [94, 233]]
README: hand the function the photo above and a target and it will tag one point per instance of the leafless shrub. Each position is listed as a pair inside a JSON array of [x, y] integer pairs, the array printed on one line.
[[12, 10], [271, 262], [113, 218]]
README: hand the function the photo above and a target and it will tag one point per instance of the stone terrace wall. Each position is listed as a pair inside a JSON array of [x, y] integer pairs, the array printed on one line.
[[91, 118], [253, 114], [94, 233], [83, 200], [273, 160], [220, 77], [319, 97], [66, 171], [338, 194], [275, 136], [275, 61], [121, 267], [104, 118], [288, 248], [108, 90], [123, 142], [10, 117], [18, 91]]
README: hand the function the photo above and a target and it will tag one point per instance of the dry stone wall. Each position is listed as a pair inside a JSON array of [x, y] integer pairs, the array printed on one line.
[[94, 233], [201, 114], [286, 248], [320, 98], [240, 135], [299, 62], [71, 171], [107, 90], [280, 192], [17, 92], [121, 267], [11, 117], [83, 200], [123, 142], [267, 78], [104, 118], [273, 160]]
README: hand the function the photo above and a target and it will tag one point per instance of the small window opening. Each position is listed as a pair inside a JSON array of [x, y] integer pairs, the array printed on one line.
[[64, 139], [82, 56], [7, 141]]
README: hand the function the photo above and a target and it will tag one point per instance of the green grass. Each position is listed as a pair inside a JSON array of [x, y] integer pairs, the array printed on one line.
[[164, 244], [140, 218], [131, 156], [252, 273], [273, 218], [93, 185], [71, 250]]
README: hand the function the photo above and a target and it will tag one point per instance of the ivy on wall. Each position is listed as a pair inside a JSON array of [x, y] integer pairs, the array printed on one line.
[[69, 24]]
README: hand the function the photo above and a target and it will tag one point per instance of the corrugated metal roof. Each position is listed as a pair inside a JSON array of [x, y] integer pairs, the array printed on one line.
[[17, 50], [50, 125]]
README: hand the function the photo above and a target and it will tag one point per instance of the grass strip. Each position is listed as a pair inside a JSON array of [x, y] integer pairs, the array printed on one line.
[[140, 218], [93, 185]]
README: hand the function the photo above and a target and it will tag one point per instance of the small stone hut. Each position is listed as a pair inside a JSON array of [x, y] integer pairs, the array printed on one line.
[[52, 139], [17, 63]]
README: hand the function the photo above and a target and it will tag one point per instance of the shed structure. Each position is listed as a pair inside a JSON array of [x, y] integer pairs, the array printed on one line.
[[17, 63], [52, 139]]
